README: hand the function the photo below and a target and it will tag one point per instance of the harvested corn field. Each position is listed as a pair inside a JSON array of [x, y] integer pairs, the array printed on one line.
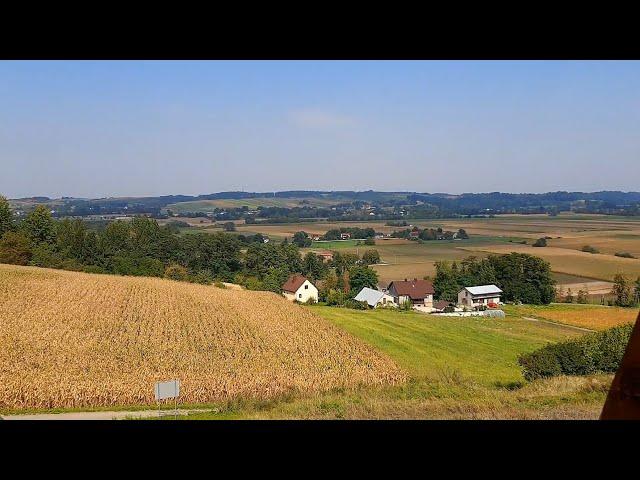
[[80, 340]]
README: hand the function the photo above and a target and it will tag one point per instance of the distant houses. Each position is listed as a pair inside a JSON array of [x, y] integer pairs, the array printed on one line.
[[472, 297], [418, 292], [299, 288], [375, 298]]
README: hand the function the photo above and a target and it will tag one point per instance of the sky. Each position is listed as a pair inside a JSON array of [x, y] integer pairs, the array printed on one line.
[[135, 128]]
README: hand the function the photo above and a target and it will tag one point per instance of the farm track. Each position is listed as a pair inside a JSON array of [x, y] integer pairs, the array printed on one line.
[[572, 327]]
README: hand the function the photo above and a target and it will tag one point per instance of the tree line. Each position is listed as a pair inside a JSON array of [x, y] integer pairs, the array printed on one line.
[[141, 246]]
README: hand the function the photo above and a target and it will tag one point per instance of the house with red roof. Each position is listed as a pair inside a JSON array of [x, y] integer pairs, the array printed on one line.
[[419, 292], [299, 288]]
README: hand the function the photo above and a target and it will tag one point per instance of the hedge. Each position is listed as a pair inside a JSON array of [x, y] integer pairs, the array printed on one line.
[[599, 352]]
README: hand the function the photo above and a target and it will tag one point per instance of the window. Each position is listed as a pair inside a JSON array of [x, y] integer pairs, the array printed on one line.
[[306, 287], [299, 295]]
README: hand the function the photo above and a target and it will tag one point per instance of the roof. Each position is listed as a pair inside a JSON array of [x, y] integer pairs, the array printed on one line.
[[369, 295], [415, 289], [294, 283], [441, 304], [483, 290]]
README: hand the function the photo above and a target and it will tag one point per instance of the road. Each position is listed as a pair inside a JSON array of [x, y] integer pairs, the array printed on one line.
[[117, 415]]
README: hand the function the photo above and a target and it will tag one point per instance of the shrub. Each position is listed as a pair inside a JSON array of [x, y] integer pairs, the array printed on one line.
[[356, 305], [540, 364], [176, 272], [219, 284], [590, 249], [599, 352], [449, 309], [624, 255], [203, 277], [541, 242]]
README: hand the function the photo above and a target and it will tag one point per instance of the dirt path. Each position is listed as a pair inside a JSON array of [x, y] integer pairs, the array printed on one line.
[[122, 415], [531, 319]]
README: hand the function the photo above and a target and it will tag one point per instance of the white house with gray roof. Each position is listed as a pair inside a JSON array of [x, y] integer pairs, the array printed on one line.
[[375, 298], [479, 295]]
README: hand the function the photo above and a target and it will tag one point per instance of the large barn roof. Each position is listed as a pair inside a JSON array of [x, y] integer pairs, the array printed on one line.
[[369, 295], [483, 290], [415, 289]]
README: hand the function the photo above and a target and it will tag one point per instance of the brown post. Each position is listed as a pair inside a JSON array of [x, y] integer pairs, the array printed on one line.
[[623, 400]]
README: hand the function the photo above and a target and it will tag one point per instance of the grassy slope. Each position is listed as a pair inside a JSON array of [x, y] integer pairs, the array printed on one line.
[[459, 368]]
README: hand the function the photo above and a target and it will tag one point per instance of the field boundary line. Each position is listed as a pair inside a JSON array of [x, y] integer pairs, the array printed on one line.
[[544, 320]]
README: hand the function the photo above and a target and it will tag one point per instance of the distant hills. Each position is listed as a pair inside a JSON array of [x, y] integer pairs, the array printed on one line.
[[348, 202]]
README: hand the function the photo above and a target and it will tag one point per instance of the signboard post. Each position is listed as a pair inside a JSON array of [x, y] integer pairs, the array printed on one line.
[[169, 389]]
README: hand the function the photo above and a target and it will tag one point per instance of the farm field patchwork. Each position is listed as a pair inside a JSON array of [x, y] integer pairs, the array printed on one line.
[[252, 203], [595, 317], [76, 340], [595, 266]]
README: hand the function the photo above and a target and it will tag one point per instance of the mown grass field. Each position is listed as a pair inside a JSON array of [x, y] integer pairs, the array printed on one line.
[[459, 368], [595, 317]]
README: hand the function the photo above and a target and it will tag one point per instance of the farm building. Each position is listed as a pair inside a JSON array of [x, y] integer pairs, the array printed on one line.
[[375, 298], [440, 305], [297, 287], [479, 295], [345, 236], [419, 292], [326, 256]]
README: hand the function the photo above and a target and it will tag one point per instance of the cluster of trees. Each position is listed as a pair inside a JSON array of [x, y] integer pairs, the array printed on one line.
[[625, 292], [355, 232], [430, 234], [522, 277]]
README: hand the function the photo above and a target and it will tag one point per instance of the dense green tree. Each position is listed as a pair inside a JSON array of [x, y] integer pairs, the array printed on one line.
[[39, 225], [260, 258], [15, 248], [301, 239], [636, 291], [370, 257], [313, 267], [218, 253], [445, 283], [274, 279], [6, 216], [344, 261], [229, 227], [621, 291], [362, 276]]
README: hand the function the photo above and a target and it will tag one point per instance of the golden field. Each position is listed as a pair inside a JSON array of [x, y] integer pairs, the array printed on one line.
[[594, 317], [81, 340]]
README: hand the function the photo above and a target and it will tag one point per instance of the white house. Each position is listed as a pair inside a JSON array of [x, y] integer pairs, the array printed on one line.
[[300, 289], [479, 295], [375, 298]]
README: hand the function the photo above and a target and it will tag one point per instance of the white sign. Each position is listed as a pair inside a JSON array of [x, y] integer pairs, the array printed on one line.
[[170, 389]]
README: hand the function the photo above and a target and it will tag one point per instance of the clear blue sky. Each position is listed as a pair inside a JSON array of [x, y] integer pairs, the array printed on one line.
[[148, 128]]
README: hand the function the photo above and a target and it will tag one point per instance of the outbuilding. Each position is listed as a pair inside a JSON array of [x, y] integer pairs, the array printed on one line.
[[375, 298]]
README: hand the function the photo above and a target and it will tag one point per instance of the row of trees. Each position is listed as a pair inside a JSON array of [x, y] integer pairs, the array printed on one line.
[[427, 234], [142, 247], [522, 277]]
